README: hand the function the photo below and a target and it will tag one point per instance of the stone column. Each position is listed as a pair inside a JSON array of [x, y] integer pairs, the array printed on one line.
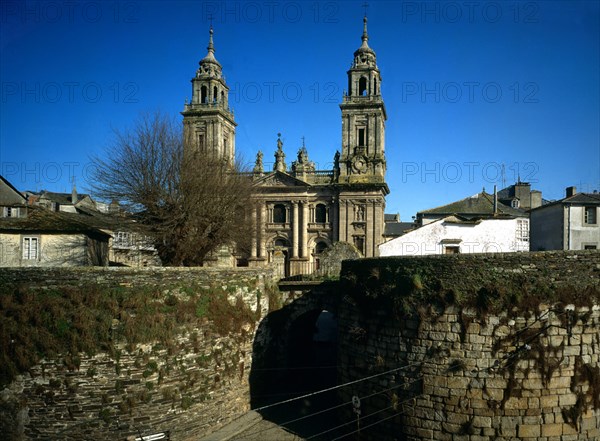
[[304, 229], [294, 229], [369, 228], [263, 223], [333, 218], [254, 233], [342, 235], [377, 238]]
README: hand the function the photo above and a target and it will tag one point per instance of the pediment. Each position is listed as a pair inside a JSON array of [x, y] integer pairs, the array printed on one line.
[[280, 179]]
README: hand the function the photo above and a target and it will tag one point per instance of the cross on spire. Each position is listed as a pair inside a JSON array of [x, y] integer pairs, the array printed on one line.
[[303, 142], [366, 6]]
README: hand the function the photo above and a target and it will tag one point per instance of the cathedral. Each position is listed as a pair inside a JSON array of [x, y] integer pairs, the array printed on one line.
[[299, 211]]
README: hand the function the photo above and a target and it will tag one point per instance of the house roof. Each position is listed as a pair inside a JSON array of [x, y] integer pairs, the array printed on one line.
[[107, 221], [395, 229], [45, 221], [478, 205], [62, 198], [13, 196], [576, 199]]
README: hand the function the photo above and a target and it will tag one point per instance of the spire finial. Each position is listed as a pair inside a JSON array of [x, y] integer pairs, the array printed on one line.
[[211, 46], [365, 35]]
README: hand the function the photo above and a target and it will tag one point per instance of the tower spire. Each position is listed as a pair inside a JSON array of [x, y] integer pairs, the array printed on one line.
[[211, 46], [365, 35]]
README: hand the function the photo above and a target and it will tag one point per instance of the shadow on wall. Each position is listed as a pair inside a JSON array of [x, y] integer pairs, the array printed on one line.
[[295, 354]]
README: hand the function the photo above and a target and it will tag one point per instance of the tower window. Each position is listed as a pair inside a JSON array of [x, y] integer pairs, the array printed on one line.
[[215, 94], [375, 92], [320, 214], [361, 137], [279, 214], [203, 94], [201, 143], [362, 86]]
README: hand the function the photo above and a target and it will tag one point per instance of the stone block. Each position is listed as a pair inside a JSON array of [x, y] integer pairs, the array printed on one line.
[[479, 421], [552, 430], [529, 430], [547, 401], [567, 400]]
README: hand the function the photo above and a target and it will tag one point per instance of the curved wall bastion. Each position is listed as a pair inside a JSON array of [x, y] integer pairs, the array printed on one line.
[[478, 347]]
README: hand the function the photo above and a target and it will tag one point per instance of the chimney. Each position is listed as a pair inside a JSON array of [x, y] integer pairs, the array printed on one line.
[[571, 191], [495, 201], [74, 195]]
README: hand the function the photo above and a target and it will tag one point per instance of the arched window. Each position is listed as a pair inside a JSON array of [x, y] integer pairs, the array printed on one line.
[[215, 94], [320, 214], [223, 97], [362, 86], [281, 243], [375, 87], [279, 214], [203, 93], [320, 247]]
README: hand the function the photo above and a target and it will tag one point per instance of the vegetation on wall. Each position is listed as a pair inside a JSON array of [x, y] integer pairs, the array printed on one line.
[[37, 323], [404, 286]]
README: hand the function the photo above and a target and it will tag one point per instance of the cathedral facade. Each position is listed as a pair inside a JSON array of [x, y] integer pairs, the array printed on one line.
[[298, 211]]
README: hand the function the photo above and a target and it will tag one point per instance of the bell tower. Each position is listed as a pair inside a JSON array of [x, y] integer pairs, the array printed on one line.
[[208, 123], [363, 120]]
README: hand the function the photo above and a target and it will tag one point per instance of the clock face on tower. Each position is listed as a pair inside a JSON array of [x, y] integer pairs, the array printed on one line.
[[359, 164]]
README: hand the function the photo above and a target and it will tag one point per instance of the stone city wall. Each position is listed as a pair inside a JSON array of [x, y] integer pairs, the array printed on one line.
[[189, 381], [473, 348]]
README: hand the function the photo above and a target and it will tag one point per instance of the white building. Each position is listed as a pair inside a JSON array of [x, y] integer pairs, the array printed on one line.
[[455, 234], [568, 224], [477, 224]]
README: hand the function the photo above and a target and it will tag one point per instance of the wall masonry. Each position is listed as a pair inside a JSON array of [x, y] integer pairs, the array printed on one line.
[[473, 348], [190, 384]]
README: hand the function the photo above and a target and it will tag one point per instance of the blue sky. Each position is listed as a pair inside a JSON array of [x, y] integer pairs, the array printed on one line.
[[477, 93]]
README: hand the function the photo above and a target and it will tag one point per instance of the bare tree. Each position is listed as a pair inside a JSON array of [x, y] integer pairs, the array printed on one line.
[[192, 204]]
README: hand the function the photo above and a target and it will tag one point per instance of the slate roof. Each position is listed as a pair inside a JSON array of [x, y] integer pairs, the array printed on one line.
[[478, 205], [62, 198], [396, 229], [45, 221], [108, 221], [576, 199], [16, 193]]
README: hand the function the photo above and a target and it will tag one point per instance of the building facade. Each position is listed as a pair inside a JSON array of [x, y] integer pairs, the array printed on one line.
[[298, 211], [477, 224], [567, 224]]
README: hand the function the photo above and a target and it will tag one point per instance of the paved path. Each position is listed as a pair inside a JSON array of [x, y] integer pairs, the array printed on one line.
[[251, 427]]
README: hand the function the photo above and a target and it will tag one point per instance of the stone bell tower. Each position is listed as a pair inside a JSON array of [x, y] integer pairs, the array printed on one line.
[[208, 123], [363, 120]]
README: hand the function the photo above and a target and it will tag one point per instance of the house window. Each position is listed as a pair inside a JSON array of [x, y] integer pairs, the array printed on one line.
[[279, 214], [522, 230], [123, 239], [320, 214], [515, 203], [452, 249], [31, 247], [590, 216]]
